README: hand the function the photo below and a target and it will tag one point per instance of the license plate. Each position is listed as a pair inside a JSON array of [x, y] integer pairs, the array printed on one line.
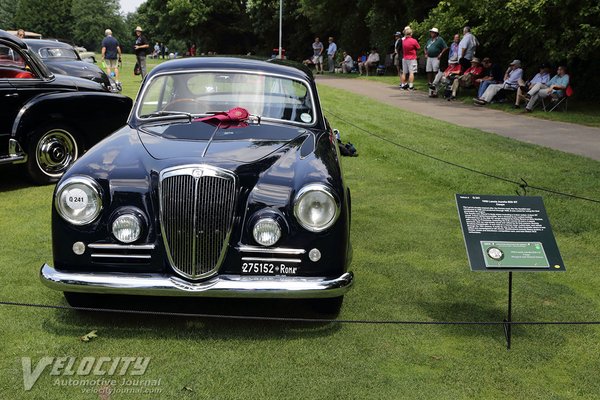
[[267, 268]]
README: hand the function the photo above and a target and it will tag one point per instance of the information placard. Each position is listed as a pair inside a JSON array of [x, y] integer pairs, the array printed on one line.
[[508, 233]]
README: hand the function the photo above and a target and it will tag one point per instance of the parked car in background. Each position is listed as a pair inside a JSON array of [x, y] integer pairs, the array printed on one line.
[[190, 200], [48, 120], [87, 56], [62, 58]]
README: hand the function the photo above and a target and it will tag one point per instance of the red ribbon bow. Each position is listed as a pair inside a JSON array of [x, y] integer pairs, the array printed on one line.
[[235, 118]]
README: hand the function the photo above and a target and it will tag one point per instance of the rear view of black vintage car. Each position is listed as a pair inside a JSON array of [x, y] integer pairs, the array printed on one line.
[[47, 121], [226, 182]]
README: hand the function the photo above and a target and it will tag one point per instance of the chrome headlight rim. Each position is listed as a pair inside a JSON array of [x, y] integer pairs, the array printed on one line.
[[267, 219], [86, 181], [324, 189]]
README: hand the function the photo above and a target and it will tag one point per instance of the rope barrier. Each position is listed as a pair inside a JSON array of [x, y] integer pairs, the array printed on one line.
[[522, 184], [291, 319]]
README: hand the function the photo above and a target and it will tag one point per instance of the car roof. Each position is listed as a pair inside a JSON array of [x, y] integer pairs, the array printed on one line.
[[12, 38], [40, 43], [230, 63]]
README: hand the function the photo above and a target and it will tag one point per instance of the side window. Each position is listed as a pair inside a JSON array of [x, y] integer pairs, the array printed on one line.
[[13, 65]]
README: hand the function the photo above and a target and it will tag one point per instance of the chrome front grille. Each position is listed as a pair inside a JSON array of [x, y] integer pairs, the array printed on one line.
[[196, 210]]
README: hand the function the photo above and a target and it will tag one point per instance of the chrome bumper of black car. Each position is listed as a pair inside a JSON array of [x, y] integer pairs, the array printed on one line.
[[219, 286]]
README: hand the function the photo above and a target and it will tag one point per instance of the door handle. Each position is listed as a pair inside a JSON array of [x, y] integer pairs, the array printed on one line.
[[11, 95]]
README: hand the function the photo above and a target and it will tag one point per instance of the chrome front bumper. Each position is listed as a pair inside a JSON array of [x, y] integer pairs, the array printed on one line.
[[220, 286]]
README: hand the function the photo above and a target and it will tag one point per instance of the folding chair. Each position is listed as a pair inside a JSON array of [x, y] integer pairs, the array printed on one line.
[[551, 103]]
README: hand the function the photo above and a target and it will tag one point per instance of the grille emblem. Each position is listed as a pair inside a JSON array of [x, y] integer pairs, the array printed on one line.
[[197, 173]]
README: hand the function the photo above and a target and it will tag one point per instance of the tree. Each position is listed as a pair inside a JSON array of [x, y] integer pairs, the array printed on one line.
[[91, 19], [8, 9], [51, 18]]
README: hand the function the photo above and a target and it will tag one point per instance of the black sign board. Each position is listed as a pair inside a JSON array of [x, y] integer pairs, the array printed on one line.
[[508, 233]]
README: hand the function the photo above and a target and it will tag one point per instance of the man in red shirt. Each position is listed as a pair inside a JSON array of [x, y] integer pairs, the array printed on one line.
[[467, 79], [409, 61]]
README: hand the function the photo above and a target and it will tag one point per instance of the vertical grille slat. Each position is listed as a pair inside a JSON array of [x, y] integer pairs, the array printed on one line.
[[197, 205]]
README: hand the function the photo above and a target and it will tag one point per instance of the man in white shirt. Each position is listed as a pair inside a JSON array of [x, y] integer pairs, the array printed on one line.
[[347, 63], [513, 75], [372, 61], [466, 48]]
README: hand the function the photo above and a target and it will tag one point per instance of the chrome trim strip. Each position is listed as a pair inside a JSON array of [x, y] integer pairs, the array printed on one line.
[[219, 286], [282, 260], [109, 246], [12, 159], [270, 250], [128, 256]]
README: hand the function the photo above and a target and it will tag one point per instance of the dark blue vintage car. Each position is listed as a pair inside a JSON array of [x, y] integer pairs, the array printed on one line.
[[47, 121], [226, 182]]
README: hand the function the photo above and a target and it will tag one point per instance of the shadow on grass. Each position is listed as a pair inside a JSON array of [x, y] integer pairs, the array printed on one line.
[[69, 323], [14, 177]]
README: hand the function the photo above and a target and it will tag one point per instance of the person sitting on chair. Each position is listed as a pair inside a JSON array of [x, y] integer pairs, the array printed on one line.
[[541, 77], [554, 88], [347, 63], [467, 79], [372, 62], [492, 73], [511, 81], [452, 71]]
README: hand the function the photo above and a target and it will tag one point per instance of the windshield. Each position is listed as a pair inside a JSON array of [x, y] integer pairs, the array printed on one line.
[[49, 53], [202, 93]]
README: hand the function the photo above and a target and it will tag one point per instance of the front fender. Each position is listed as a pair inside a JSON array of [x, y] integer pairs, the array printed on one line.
[[93, 115]]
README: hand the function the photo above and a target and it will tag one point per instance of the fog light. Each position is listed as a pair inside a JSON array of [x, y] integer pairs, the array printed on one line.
[[314, 255], [78, 248], [127, 228], [266, 232]]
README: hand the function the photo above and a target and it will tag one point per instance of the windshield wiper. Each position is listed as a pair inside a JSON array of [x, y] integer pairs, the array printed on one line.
[[175, 114]]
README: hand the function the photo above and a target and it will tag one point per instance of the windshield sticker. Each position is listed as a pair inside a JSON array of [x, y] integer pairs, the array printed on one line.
[[305, 117]]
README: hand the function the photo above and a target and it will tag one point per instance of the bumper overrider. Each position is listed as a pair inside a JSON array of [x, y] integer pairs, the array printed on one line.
[[154, 284]]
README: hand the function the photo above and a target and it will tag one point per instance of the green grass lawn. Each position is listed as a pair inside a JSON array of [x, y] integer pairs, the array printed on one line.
[[410, 264]]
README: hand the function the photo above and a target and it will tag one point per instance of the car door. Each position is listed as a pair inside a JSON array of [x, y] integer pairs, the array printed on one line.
[[10, 103]]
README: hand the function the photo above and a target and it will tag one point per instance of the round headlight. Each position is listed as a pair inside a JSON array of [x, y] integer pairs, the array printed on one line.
[[266, 231], [127, 228], [316, 208], [78, 200]]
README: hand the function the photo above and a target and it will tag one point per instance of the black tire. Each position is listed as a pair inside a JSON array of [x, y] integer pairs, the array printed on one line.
[[52, 149], [329, 307]]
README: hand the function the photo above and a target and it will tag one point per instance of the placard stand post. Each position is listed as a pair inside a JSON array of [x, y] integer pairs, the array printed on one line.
[[507, 322]]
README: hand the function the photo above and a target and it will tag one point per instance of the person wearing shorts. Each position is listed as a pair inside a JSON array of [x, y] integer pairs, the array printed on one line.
[[434, 50], [318, 55], [111, 53], [409, 60]]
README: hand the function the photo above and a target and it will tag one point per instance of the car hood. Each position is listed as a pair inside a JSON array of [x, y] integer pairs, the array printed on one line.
[[200, 140], [80, 83]]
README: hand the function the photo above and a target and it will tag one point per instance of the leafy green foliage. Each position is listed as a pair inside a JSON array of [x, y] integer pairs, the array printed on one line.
[[51, 18], [90, 22]]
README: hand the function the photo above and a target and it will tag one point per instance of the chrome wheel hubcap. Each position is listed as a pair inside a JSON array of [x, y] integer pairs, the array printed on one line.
[[55, 151]]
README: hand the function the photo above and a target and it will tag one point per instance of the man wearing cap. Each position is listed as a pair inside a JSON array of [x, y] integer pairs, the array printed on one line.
[[467, 79], [434, 50], [541, 77], [556, 87], [409, 59], [140, 47], [511, 82], [451, 72]]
